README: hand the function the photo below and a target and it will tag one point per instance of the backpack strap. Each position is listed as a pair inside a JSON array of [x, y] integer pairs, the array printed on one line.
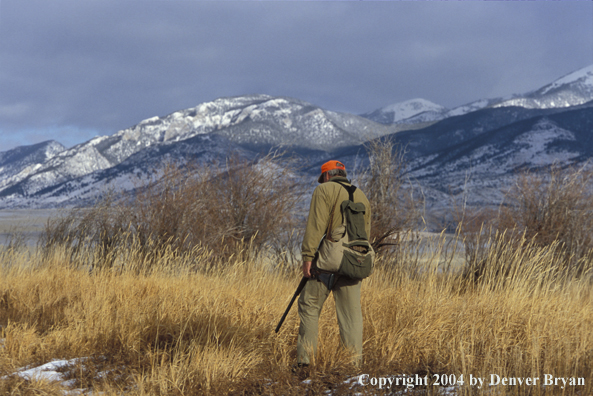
[[350, 189]]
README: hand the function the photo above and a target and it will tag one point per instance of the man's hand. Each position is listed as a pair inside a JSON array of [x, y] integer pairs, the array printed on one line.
[[307, 269]]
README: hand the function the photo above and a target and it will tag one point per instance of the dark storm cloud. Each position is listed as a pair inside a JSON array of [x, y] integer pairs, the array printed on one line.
[[73, 69]]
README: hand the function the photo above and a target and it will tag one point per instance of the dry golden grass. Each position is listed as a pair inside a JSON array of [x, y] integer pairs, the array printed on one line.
[[178, 331]]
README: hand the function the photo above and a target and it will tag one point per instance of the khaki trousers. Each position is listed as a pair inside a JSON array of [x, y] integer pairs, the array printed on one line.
[[348, 310]]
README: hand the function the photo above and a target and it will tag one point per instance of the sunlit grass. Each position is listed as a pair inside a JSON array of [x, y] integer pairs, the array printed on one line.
[[178, 328]]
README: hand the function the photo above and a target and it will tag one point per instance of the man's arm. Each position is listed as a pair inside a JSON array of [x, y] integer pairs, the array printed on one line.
[[316, 226]]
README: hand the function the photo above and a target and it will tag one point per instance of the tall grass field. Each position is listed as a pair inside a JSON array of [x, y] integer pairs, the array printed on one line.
[[190, 325], [177, 289]]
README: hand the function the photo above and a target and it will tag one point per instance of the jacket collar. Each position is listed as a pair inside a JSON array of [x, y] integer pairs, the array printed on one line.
[[339, 179]]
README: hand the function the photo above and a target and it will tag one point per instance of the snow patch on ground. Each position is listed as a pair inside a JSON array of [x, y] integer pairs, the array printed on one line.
[[47, 372], [51, 372]]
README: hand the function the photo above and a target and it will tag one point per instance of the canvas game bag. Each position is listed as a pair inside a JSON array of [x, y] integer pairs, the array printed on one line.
[[347, 250]]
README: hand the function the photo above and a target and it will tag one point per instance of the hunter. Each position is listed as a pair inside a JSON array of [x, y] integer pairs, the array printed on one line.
[[325, 221]]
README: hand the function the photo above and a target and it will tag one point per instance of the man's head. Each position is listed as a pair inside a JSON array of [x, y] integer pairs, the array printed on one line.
[[332, 169]]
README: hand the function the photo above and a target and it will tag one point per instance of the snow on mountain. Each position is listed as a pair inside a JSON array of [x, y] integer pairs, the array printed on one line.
[[583, 76], [478, 154], [18, 163], [492, 159], [27, 155], [412, 108], [257, 121], [254, 119], [82, 190], [470, 107], [290, 122], [490, 137], [571, 90], [410, 111]]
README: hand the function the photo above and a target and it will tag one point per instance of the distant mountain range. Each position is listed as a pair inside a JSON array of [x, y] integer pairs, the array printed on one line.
[[571, 90], [489, 139]]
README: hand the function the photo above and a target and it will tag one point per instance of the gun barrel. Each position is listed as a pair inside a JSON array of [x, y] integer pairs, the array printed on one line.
[[298, 291]]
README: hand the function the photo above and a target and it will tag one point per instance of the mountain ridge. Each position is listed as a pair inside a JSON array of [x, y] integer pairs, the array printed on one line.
[[573, 89], [439, 142]]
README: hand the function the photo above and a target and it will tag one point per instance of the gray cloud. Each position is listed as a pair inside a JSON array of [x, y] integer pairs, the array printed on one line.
[[71, 69]]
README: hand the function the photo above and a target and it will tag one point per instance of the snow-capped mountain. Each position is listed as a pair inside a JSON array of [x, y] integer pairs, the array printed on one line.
[[85, 189], [480, 153], [251, 120], [255, 121], [486, 165], [490, 139], [408, 112], [19, 162], [571, 90]]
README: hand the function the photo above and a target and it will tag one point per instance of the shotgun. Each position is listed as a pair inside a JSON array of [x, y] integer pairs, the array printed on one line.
[[300, 287], [296, 293]]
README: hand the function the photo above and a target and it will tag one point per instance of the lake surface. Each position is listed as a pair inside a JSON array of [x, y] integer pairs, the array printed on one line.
[[24, 223]]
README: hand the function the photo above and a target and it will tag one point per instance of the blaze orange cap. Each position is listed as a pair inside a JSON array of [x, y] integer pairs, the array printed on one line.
[[330, 165]]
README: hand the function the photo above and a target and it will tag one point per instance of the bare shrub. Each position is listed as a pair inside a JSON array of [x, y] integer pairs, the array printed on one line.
[[476, 227], [101, 227], [396, 209], [545, 208], [553, 206], [253, 203], [234, 207]]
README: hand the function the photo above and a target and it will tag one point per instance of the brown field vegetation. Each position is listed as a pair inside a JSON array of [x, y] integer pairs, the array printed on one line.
[[176, 331], [178, 289]]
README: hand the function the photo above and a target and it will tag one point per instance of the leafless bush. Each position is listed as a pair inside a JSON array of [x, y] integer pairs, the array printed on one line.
[[246, 202], [101, 227], [553, 206], [543, 208], [396, 209], [229, 208], [476, 227]]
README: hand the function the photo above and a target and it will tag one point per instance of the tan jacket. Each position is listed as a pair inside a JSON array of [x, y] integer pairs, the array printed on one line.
[[326, 196]]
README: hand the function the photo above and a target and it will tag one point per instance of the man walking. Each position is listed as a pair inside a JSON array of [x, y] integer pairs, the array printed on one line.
[[325, 221]]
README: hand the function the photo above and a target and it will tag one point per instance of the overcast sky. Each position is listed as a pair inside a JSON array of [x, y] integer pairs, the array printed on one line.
[[74, 69]]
